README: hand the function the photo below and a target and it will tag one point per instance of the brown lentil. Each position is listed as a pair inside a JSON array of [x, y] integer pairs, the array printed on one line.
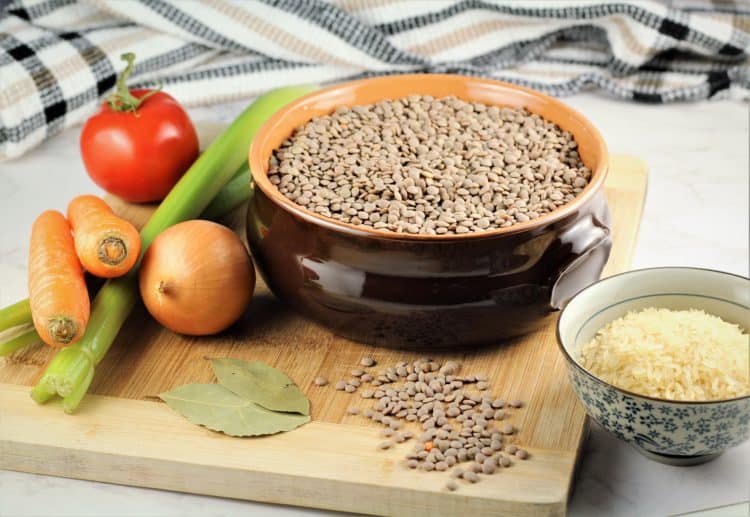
[[459, 424], [430, 166], [471, 476]]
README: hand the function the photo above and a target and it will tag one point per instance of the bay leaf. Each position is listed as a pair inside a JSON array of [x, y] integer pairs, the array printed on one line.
[[261, 383], [215, 407]]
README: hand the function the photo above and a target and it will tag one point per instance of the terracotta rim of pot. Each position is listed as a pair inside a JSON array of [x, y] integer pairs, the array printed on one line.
[[591, 146]]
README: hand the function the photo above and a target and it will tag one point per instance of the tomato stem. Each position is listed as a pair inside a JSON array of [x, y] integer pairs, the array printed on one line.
[[122, 100]]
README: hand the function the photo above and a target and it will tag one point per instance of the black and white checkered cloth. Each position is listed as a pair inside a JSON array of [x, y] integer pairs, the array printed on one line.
[[58, 58]]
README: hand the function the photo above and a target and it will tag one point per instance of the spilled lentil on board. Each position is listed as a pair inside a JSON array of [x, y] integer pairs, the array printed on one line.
[[460, 423]]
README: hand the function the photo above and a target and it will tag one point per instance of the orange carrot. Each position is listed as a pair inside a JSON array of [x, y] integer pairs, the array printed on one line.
[[57, 290], [107, 245]]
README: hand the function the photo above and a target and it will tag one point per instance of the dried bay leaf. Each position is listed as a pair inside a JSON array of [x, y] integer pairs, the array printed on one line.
[[215, 407], [262, 384]]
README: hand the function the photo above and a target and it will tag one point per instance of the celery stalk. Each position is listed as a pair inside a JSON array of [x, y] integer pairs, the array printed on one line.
[[13, 315], [18, 342], [71, 371], [231, 196]]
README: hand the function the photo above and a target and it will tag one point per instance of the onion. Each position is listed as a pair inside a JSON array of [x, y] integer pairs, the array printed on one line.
[[197, 278]]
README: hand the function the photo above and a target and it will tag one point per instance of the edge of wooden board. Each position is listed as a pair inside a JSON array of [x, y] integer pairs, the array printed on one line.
[[636, 180], [336, 466]]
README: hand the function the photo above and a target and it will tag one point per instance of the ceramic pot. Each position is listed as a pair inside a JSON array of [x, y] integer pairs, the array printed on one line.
[[441, 291]]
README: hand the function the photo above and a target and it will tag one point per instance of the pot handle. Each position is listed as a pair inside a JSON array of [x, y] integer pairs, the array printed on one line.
[[587, 243]]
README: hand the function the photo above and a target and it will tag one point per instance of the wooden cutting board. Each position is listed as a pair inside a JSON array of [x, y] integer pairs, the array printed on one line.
[[124, 434]]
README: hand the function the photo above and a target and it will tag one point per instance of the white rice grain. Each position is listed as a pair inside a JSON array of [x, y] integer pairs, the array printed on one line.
[[675, 355]]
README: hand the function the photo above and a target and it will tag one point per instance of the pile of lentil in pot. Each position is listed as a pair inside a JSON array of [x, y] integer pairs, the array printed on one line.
[[424, 165]]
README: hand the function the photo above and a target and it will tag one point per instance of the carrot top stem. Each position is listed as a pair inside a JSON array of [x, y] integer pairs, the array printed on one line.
[[62, 328], [112, 251]]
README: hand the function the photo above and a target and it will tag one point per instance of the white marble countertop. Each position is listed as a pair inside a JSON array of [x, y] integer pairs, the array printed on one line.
[[696, 215]]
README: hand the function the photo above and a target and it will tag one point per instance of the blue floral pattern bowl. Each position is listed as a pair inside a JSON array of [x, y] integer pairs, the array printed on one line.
[[674, 432]]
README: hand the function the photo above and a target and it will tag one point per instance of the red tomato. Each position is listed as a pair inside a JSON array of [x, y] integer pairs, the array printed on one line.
[[140, 155]]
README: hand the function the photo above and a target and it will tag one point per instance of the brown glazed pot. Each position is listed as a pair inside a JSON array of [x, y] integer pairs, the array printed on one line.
[[437, 291]]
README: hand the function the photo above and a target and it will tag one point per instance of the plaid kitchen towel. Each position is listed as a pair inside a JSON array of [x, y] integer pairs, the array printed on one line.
[[59, 58]]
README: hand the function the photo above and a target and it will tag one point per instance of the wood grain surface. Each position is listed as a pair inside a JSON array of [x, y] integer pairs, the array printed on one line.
[[125, 435]]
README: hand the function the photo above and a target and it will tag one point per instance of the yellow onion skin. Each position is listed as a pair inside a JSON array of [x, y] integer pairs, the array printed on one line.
[[197, 278]]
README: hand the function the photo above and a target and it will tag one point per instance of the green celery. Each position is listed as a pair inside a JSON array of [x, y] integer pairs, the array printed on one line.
[[13, 315], [234, 193], [19, 341]]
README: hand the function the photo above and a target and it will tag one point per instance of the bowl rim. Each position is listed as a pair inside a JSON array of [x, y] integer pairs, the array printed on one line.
[[577, 365], [261, 180]]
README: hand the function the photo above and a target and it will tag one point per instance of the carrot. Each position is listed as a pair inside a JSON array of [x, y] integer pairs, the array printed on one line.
[[57, 290], [107, 245]]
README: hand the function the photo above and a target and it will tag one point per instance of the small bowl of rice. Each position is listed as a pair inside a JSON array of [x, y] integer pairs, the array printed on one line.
[[661, 358]]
